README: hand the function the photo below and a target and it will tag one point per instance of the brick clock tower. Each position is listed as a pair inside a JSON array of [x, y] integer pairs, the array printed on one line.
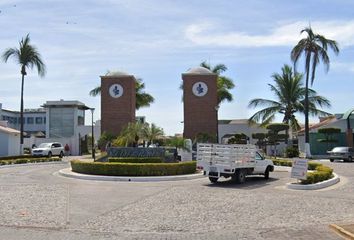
[[117, 101], [200, 103]]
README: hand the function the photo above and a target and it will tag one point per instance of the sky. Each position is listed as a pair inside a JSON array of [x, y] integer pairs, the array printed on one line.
[[158, 40]]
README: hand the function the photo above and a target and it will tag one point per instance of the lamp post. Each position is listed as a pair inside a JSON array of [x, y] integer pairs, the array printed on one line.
[[217, 123], [92, 138]]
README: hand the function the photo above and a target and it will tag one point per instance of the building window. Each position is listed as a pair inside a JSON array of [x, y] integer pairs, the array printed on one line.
[[45, 119], [39, 120], [30, 120]]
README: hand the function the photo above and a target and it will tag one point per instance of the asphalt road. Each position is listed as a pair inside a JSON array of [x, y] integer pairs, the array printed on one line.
[[37, 203]]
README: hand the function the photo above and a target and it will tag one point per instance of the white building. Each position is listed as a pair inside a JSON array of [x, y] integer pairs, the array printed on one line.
[[9, 140], [57, 121]]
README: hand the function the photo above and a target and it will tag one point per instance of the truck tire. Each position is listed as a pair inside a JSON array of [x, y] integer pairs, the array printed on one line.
[[331, 160], [266, 173], [213, 179], [240, 176]]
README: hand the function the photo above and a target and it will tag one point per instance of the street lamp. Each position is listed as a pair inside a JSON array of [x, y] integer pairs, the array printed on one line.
[[217, 123], [92, 138]]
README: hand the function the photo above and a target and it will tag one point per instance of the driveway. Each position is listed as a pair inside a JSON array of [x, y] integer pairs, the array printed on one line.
[[37, 203]]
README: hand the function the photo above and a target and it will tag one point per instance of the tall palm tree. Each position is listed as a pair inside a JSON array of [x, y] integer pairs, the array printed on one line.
[[130, 135], [290, 93], [27, 56], [143, 99], [223, 84], [314, 47]]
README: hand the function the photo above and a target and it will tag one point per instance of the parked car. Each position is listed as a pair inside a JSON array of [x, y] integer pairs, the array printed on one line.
[[49, 149], [342, 153]]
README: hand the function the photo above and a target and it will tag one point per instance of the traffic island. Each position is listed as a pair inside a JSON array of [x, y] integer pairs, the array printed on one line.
[[346, 231], [315, 186]]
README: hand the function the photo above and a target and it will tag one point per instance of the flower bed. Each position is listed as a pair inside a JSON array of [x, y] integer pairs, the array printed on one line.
[[320, 172]]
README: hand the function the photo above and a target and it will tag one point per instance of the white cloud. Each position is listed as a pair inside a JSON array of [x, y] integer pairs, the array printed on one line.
[[282, 35]]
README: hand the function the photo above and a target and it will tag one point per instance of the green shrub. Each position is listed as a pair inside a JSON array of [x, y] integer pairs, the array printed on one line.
[[292, 152], [313, 165], [322, 173], [135, 159], [133, 169], [16, 157], [279, 162], [27, 160]]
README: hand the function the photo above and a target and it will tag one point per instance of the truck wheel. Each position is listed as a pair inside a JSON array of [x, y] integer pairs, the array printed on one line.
[[240, 176], [61, 155], [266, 173], [331, 160], [213, 179]]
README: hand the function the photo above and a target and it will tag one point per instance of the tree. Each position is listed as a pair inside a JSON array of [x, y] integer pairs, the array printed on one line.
[[143, 99], [238, 138], [273, 135], [261, 139], [130, 135], [27, 56], [289, 92], [223, 84], [152, 132], [314, 47]]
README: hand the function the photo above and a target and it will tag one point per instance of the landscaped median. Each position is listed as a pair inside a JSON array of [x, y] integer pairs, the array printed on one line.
[[319, 175], [25, 159], [133, 169]]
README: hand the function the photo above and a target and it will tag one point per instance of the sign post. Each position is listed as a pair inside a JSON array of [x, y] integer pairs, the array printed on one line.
[[299, 169]]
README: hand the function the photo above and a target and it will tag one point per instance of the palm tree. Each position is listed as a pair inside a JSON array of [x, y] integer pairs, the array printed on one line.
[[143, 99], [290, 93], [27, 56], [152, 132], [314, 47], [223, 84], [130, 135]]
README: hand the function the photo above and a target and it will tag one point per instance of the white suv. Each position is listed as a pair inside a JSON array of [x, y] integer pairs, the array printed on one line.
[[49, 149]]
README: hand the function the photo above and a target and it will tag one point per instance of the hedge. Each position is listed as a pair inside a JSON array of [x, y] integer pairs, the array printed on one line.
[[320, 172], [135, 159], [17, 157], [27, 160], [288, 163], [133, 169]]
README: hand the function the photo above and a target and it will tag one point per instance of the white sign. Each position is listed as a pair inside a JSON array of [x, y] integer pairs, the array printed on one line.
[[199, 89], [116, 90], [299, 169]]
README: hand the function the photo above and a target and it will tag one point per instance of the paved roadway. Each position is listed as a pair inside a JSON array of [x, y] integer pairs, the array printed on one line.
[[38, 204]]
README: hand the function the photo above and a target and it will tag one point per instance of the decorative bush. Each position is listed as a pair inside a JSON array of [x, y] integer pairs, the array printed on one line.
[[292, 152], [133, 169], [321, 172], [17, 157], [135, 159], [27, 160]]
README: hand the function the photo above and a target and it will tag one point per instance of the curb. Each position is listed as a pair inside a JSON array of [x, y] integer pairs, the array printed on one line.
[[66, 172], [315, 186], [341, 231]]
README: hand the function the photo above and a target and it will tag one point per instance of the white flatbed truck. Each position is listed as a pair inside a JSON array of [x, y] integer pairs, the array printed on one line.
[[232, 160]]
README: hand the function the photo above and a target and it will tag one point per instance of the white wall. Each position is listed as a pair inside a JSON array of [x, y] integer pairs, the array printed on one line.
[[14, 145]]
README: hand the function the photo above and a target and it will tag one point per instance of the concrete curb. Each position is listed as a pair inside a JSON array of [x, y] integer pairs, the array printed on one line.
[[315, 186], [282, 169], [66, 172], [341, 231], [31, 164]]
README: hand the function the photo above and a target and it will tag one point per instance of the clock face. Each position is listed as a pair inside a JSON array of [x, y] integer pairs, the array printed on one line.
[[116, 90], [199, 89]]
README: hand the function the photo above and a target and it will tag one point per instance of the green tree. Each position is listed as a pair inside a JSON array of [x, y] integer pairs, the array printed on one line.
[[261, 139], [152, 133], [27, 56], [130, 135], [273, 135], [238, 138], [289, 92], [143, 99], [314, 47], [223, 84]]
